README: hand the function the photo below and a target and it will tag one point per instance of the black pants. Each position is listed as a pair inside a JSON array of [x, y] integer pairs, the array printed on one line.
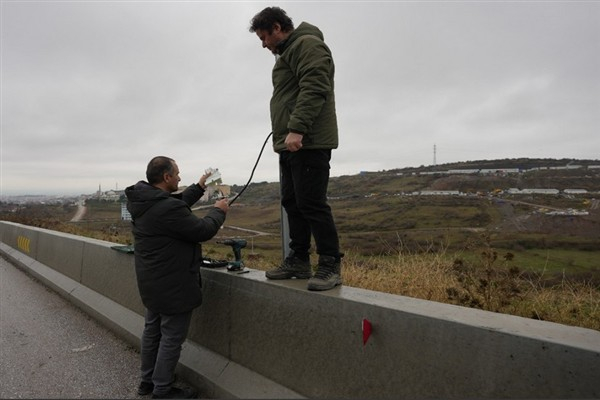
[[304, 181]]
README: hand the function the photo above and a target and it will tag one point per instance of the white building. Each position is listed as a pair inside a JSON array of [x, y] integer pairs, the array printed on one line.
[[125, 215], [463, 171], [500, 171], [575, 191], [532, 191], [439, 192]]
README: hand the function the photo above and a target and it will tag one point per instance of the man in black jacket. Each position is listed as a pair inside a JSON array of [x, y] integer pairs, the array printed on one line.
[[168, 256]]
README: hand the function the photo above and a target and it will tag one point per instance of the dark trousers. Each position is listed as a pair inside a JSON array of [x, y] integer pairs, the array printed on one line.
[[161, 347], [304, 181]]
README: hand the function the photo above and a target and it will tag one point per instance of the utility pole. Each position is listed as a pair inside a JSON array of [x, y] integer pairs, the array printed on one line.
[[285, 227], [434, 156]]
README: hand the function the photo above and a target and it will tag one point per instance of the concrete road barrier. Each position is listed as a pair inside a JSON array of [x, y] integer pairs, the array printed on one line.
[[254, 338]]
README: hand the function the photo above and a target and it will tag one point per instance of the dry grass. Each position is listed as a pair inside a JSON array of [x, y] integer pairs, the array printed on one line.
[[569, 303], [423, 276], [491, 285]]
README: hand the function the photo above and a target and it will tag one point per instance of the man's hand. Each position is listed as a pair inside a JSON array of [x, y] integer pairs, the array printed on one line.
[[222, 204], [203, 178], [293, 141]]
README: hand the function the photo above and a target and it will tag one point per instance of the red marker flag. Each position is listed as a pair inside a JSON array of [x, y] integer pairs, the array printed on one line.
[[366, 329]]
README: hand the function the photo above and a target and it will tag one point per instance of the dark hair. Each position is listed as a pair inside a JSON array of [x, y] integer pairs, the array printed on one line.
[[268, 17], [157, 167]]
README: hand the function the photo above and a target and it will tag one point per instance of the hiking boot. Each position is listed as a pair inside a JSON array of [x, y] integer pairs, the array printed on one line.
[[292, 267], [145, 388], [328, 274], [176, 393]]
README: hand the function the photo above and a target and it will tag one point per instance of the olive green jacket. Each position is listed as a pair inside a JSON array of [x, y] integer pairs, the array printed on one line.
[[303, 98]]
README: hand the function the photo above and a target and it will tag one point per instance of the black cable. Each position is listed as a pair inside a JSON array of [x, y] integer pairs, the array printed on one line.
[[253, 169]]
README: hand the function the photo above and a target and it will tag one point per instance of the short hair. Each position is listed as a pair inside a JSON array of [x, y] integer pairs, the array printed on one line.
[[267, 18], [157, 167]]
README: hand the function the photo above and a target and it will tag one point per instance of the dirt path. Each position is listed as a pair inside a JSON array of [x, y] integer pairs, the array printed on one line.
[[81, 209]]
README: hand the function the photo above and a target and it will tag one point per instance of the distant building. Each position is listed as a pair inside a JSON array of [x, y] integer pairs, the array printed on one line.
[[532, 191], [429, 172], [439, 193], [463, 171], [567, 167], [570, 211], [111, 195], [125, 215], [499, 171], [575, 191]]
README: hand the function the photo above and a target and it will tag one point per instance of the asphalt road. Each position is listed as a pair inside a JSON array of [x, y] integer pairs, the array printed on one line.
[[51, 349]]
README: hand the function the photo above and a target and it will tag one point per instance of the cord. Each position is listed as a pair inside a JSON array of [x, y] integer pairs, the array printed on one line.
[[253, 169]]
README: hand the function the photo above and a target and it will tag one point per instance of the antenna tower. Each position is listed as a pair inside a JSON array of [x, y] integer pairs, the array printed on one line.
[[434, 156]]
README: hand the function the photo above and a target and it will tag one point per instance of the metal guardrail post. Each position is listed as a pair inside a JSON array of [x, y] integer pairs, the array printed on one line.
[[285, 227]]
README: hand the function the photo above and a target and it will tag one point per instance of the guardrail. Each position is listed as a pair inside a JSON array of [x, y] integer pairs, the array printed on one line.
[[254, 338]]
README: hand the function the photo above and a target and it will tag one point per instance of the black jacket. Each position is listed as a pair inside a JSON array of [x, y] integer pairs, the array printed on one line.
[[167, 245]]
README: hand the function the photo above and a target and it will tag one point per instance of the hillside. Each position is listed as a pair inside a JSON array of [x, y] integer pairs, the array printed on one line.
[[537, 175], [388, 213], [383, 213]]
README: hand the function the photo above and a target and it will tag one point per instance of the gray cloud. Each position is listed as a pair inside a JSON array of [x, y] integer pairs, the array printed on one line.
[[92, 90]]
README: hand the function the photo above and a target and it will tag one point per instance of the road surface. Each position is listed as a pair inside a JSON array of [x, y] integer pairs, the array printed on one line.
[[51, 349]]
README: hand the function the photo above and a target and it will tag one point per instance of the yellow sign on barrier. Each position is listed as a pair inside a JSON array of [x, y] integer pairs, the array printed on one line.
[[23, 243]]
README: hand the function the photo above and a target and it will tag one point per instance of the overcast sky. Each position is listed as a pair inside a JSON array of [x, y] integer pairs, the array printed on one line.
[[91, 90]]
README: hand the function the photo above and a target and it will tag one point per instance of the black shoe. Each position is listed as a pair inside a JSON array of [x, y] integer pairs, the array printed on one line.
[[176, 393], [145, 388], [292, 267], [328, 274]]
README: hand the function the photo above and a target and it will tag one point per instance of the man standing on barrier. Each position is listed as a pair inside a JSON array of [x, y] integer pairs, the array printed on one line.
[[304, 125], [168, 257]]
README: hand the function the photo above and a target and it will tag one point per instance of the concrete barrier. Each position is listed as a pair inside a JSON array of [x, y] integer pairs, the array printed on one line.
[[254, 338]]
